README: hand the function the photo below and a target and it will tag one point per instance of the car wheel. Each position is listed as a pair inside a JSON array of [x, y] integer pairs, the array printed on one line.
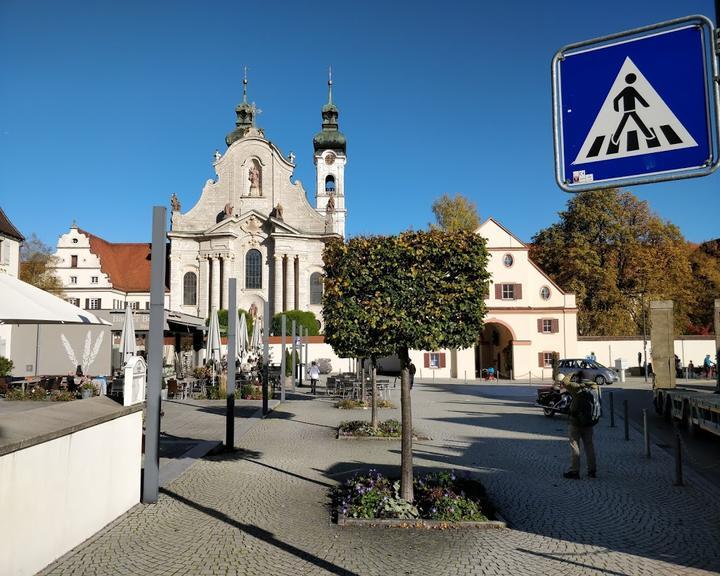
[[548, 412], [599, 380]]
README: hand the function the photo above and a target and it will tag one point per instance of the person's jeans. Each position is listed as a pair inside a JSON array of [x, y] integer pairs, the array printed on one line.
[[586, 433], [313, 385]]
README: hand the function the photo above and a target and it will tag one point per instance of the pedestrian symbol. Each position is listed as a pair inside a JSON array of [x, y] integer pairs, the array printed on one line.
[[633, 120]]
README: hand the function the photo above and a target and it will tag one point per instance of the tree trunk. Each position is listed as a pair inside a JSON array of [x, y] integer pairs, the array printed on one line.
[[373, 370], [406, 464]]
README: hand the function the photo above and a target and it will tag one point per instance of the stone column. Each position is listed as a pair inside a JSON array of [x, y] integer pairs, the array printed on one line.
[[290, 272], [278, 282], [226, 273], [215, 290], [203, 287], [300, 283]]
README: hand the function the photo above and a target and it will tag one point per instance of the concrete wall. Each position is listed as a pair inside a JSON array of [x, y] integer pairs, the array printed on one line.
[[56, 494]]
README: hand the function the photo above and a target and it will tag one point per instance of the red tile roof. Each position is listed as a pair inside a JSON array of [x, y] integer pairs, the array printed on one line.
[[127, 264]]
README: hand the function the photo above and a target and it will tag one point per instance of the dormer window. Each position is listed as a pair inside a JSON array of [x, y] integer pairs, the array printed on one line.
[[330, 184]]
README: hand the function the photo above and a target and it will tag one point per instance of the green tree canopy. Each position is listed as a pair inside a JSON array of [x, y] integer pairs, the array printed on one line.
[[419, 290], [223, 321], [616, 256], [453, 214], [705, 263], [306, 319], [36, 265]]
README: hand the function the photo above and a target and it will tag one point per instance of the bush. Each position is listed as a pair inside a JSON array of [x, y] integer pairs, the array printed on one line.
[[249, 392], [349, 404], [302, 318], [61, 396], [15, 394], [438, 496], [387, 429], [6, 366]]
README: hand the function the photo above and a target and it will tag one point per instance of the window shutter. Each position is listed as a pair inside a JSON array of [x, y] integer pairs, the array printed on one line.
[[540, 325], [442, 360], [518, 292], [498, 291], [87, 303], [556, 326], [426, 360], [99, 303], [541, 362]]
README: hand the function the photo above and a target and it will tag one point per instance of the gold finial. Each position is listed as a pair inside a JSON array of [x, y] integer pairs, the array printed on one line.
[[329, 84]]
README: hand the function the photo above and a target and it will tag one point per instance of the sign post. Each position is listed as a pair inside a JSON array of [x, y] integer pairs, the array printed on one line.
[[637, 107]]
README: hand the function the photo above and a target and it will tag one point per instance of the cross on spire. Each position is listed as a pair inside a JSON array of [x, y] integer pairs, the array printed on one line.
[[329, 84], [245, 86]]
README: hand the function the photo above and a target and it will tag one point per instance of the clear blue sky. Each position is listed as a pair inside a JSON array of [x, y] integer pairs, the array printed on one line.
[[107, 108]]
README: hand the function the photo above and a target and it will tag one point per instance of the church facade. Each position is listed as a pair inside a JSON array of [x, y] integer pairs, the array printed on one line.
[[253, 224]]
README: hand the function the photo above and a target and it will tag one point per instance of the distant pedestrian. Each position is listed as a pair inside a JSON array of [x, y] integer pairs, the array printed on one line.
[[584, 414], [314, 373], [593, 358], [691, 369], [639, 359], [412, 370], [707, 366]]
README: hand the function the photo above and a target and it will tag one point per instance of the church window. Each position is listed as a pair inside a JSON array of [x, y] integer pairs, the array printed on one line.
[[545, 293], [316, 288], [253, 269], [189, 289], [508, 260], [330, 184]]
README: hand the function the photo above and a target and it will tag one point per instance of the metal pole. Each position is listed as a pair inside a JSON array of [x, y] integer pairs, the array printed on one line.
[[231, 357], [612, 411], [293, 359], [307, 345], [678, 461], [151, 477], [300, 331], [283, 325], [626, 420], [644, 338], [266, 357], [646, 433]]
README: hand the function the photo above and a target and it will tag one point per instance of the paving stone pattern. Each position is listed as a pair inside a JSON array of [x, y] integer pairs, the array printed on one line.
[[264, 510]]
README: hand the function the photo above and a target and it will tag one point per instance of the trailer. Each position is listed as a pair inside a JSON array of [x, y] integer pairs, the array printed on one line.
[[692, 409]]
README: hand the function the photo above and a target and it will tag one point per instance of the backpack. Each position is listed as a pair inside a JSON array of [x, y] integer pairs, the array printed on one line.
[[588, 409]]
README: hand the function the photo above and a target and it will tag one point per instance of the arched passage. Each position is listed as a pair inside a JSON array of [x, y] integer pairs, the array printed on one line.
[[495, 348]]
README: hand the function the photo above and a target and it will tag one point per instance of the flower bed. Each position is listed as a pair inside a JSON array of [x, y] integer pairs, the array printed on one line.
[[40, 395], [354, 404], [361, 428], [441, 500], [249, 392]]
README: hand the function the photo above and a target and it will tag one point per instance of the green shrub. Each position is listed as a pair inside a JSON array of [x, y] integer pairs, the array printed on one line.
[[302, 318], [15, 394], [387, 429], [249, 392], [61, 396], [6, 366]]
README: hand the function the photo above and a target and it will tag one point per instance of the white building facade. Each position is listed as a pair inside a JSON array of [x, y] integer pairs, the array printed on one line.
[[253, 224], [10, 240]]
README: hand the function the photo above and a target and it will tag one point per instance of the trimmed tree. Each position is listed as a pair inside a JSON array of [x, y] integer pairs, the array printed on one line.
[[306, 319], [417, 290]]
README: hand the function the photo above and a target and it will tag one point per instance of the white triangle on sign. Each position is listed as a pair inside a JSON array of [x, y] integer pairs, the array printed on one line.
[[633, 120]]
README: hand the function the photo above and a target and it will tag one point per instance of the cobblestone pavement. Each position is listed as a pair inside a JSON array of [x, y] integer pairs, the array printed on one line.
[[264, 509]]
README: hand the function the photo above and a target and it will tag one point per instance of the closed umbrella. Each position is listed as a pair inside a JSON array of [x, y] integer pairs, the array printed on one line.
[[241, 339], [128, 346], [255, 340], [213, 340]]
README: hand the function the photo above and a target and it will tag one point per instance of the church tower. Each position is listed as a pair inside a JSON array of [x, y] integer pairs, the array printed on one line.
[[330, 159]]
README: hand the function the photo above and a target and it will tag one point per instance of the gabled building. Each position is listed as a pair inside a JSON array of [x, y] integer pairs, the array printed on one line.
[[10, 240]]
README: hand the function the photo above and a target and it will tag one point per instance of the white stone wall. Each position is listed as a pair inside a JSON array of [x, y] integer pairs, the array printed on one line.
[[330, 163], [9, 256]]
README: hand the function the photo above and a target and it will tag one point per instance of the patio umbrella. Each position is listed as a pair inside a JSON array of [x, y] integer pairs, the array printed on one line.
[[255, 340], [213, 340], [23, 303], [241, 339], [128, 346]]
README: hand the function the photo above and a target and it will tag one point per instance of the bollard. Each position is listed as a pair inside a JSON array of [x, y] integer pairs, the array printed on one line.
[[627, 420], [678, 462], [465, 376], [612, 412], [646, 433]]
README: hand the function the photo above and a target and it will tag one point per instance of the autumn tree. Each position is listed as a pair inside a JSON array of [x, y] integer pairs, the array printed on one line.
[[37, 265], [453, 214], [616, 256], [417, 290], [705, 263]]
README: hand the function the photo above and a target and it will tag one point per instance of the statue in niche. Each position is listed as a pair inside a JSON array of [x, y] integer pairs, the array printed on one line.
[[254, 177], [253, 311], [279, 211], [330, 203], [216, 155], [228, 210], [174, 203]]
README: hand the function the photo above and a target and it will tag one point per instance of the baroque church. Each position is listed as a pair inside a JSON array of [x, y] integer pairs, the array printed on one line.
[[252, 223]]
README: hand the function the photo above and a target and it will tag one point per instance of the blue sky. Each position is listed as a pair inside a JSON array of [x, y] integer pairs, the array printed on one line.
[[107, 108]]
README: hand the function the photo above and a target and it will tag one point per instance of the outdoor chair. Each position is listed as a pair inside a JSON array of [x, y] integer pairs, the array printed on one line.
[[331, 386]]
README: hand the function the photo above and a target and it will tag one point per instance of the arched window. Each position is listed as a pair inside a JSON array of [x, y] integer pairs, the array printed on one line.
[[253, 269], [330, 184], [316, 288], [189, 289]]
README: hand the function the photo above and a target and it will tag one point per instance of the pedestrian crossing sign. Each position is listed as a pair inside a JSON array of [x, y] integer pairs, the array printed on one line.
[[636, 107]]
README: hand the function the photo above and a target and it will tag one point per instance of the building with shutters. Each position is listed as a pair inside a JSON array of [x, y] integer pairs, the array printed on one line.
[[254, 224], [10, 240]]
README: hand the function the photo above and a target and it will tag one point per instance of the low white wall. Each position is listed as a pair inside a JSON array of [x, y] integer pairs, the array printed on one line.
[[687, 348], [55, 495]]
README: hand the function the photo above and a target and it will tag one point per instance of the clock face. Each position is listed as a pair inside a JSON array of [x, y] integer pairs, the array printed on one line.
[[329, 159]]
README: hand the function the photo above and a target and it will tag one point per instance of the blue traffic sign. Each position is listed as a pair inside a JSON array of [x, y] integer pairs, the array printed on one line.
[[636, 107]]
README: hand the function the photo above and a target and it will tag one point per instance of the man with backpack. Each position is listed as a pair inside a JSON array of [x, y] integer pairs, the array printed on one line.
[[585, 411]]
